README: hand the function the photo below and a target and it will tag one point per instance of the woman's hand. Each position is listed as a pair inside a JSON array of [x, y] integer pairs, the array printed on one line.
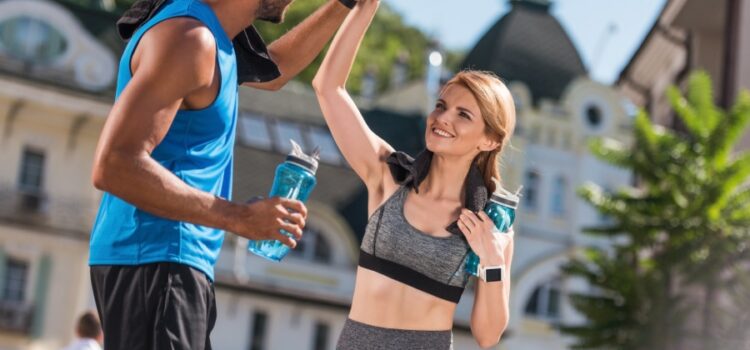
[[484, 239]]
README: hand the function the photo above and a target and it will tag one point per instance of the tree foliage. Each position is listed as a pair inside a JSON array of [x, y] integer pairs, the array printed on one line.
[[684, 228]]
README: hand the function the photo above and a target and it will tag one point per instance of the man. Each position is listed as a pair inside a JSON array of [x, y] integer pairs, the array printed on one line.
[[164, 160], [89, 333]]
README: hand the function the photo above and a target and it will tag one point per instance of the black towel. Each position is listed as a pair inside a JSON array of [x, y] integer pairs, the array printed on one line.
[[254, 64], [410, 172]]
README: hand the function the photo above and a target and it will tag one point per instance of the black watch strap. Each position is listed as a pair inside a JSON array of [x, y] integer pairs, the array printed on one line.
[[349, 3]]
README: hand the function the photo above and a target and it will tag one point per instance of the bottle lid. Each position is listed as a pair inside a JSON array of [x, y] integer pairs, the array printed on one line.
[[298, 157], [507, 198]]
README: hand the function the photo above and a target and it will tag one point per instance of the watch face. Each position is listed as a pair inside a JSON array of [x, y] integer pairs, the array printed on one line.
[[494, 275]]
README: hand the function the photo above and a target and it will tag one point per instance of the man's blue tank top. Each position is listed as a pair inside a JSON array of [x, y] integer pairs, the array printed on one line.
[[198, 149]]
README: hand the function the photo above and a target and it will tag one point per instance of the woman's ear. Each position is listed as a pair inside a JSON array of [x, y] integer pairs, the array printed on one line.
[[488, 144]]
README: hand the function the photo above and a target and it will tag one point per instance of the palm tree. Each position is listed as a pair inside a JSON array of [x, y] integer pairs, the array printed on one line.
[[681, 230]]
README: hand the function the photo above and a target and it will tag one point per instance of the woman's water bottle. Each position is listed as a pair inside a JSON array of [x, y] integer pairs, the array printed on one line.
[[295, 179], [501, 208]]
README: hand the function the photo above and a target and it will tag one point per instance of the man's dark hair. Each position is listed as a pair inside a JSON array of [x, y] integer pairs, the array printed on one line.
[[89, 326]]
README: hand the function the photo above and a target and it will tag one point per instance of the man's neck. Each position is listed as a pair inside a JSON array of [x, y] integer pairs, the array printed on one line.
[[234, 16]]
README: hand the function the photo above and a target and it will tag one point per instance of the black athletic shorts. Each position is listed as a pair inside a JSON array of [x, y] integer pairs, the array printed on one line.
[[161, 306]]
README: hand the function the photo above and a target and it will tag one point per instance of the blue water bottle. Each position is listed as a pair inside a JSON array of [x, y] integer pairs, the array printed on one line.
[[295, 179], [501, 208]]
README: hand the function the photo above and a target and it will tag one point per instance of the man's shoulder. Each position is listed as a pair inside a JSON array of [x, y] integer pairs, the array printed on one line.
[[183, 33], [180, 45]]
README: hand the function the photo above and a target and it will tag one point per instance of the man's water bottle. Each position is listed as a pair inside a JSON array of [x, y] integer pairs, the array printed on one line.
[[295, 179], [501, 208]]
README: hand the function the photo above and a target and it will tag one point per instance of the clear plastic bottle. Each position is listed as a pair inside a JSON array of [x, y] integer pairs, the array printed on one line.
[[501, 208], [294, 179]]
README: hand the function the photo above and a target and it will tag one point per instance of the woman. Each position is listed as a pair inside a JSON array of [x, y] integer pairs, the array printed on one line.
[[424, 213]]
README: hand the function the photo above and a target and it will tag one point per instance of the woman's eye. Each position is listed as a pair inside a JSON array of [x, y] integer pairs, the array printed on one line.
[[464, 115], [440, 106]]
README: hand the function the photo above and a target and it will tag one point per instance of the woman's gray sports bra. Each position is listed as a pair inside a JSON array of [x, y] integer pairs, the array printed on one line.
[[394, 248]]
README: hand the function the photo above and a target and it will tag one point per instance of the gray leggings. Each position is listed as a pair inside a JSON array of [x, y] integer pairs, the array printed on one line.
[[360, 336]]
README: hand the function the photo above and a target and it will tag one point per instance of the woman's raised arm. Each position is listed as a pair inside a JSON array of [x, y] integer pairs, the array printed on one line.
[[364, 150]]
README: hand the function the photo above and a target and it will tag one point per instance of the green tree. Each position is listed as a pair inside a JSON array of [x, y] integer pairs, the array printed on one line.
[[682, 231]]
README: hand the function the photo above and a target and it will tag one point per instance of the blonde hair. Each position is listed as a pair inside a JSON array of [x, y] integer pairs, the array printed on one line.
[[499, 114]]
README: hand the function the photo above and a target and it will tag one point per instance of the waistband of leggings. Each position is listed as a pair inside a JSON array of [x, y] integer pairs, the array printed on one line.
[[395, 330]]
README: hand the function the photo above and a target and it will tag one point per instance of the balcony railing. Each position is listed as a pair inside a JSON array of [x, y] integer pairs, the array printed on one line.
[[41, 209], [15, 317]]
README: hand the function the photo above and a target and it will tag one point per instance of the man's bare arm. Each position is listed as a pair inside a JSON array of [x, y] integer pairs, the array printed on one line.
[[177, 57], [296, 49]]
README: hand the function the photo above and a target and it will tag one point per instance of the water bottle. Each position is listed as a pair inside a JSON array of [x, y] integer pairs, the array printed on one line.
[[294, 179], [501, 208]]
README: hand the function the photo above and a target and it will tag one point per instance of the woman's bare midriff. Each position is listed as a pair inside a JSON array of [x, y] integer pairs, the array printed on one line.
[[383, 302]]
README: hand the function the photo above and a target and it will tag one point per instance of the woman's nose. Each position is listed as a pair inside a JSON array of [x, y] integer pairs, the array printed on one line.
[[443, 118]]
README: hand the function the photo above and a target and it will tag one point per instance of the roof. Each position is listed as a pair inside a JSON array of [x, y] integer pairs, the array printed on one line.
[[529, 45], [638, 52]]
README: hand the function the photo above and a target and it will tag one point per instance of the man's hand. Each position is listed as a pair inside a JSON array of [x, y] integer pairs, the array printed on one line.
[[263, 219], [296, 49]]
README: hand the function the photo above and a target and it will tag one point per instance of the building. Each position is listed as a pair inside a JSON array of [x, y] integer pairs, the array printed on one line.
[[689, 35], [56, 74], [559, 109]]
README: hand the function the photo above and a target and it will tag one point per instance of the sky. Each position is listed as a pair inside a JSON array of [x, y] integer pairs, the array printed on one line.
[[605, 32]]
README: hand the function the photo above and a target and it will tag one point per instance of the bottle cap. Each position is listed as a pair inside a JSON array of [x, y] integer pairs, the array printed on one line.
[[507, 198], [298, 157]]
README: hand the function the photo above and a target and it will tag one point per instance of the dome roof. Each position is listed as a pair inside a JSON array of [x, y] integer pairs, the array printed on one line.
[[529, 45]]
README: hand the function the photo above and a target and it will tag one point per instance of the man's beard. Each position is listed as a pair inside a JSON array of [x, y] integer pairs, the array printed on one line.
[[272, 10]]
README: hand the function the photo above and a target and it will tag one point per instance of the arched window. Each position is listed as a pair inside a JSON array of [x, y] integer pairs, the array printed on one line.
[[544, 302], [532, 187], [559, 192], [30, 39], [313, 247]]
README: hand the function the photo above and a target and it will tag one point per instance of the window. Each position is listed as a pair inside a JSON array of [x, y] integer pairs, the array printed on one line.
[[320, 340], [285, 131], [30, 39], [544, 302], [258, 331], [31, 178], [16, 274], [558, 196], [328, 151], [254, 131], [594, 115], [313, 246], [532, 189]]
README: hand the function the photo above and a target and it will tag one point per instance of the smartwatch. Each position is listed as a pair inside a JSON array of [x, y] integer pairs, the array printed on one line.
[[490, 273], [349, 3]]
